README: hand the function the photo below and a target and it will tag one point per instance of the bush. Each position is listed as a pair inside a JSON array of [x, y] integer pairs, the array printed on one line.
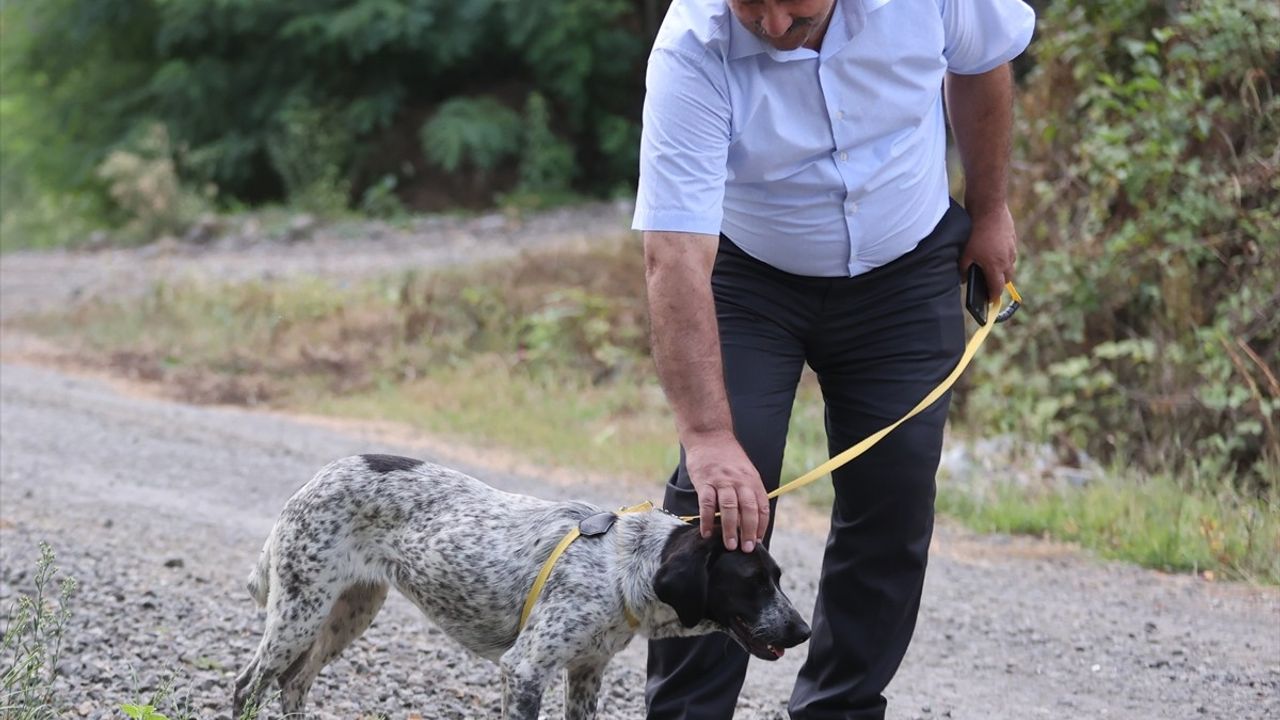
[[227, 79], [475, 132], [1148, 185], [310, 150], [144, 184]]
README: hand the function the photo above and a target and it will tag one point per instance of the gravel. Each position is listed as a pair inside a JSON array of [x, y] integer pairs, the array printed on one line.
[[158, 509]]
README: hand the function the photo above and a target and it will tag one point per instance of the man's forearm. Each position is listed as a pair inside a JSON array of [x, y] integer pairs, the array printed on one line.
[[685, 338], [981, 111]]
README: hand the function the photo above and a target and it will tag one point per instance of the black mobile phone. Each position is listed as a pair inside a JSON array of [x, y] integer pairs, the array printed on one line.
[[976, 297]]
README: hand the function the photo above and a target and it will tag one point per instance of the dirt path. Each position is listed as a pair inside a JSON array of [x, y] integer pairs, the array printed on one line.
[[159, 509]]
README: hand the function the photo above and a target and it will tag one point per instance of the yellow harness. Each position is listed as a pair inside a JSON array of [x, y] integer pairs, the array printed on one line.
[[563, 545]]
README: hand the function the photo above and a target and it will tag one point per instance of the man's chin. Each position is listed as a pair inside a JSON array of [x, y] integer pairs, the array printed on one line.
[[787, 45]]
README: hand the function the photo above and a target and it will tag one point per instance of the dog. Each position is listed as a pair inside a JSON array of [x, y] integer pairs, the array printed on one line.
[[467, 554]]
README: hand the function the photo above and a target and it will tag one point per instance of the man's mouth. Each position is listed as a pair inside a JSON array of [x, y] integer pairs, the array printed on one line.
[[762, 650]]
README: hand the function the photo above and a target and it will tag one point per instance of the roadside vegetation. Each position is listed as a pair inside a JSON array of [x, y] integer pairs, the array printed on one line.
[[547, 358], [1146, 179], [35, 622]]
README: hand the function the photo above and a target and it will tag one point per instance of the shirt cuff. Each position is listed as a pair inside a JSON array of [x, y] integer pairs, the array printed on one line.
[[676, 221]]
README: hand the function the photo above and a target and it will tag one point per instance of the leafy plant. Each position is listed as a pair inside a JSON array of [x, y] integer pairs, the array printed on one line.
[[546, 161], [143, 182], [142, 712], [1149, 190], [32, 644], [478, 132], [310, 149]]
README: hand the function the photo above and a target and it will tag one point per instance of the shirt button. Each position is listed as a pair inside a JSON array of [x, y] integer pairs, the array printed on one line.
[[840, 115], [851, 207], [844, 156]]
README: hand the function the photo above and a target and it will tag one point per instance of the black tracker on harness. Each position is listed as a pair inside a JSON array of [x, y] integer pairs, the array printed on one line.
[[597, 524]]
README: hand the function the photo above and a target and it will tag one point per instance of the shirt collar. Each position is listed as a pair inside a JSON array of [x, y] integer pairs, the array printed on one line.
[[848, 19]]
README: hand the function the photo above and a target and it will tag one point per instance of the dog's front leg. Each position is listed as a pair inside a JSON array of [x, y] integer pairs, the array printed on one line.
[[582, 690], [525, 673]]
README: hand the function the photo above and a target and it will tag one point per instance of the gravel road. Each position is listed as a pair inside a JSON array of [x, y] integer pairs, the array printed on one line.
[[159, 509]]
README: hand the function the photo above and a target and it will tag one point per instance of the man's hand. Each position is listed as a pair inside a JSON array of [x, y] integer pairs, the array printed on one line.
[[993, 245], [727, 482]]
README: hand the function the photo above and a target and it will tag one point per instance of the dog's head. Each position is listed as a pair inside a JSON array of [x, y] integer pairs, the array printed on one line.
[[736, 592]]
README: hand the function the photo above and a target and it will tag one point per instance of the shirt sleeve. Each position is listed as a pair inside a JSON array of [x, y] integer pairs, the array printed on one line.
[[983, 34], [684, 144]]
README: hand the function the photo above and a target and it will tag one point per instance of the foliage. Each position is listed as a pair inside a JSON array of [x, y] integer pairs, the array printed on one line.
[[1150, 191], [546, 162], [310, 151], [143, 183], [142, 712], [379, 199], [241, 86], [480, 132], [32, 644]]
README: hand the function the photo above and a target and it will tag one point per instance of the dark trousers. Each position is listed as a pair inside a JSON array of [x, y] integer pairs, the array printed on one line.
[[878, 343]]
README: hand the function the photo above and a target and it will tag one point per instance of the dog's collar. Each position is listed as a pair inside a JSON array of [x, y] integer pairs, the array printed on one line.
[[596, 524]]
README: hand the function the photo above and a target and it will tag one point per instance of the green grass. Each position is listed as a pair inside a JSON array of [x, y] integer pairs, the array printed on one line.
[[1156, 522], [546, 360]]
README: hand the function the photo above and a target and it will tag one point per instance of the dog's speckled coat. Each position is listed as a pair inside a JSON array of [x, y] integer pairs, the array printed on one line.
[[467, 554]]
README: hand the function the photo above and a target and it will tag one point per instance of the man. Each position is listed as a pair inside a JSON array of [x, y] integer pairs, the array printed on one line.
[[794, 202]]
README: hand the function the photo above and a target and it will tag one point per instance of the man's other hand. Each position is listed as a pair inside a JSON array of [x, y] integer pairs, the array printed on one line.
[[993, 245]]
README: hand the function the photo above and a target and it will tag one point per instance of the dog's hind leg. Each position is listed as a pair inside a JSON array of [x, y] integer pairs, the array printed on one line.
[[351, 615], [280, 654], [297, 610]]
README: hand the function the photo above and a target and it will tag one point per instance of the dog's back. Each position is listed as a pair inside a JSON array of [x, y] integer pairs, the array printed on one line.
[[427, 530]]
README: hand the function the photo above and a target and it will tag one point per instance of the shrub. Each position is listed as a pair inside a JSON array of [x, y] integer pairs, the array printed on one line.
[[144, 184], [1147, 182], [476, 132], [310, 149]]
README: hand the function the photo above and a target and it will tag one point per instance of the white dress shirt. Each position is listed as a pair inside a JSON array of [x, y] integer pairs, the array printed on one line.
[[826, 163]]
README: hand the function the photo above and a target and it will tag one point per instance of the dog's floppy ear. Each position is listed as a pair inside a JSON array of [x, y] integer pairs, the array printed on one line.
[[682, 578]]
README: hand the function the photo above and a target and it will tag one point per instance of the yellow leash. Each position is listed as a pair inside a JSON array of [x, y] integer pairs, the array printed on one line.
[[994, 315], [970, 350]]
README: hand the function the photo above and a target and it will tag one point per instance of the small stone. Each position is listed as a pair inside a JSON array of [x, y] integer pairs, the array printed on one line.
[[174, 563], [300, 228]]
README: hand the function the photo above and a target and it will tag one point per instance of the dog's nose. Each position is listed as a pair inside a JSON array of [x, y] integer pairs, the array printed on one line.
[[797, 632]]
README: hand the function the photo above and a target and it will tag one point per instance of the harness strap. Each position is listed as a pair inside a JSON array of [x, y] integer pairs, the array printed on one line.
[[540, 581]]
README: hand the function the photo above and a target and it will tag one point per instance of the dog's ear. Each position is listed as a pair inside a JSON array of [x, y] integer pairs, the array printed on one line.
[[682, 579]]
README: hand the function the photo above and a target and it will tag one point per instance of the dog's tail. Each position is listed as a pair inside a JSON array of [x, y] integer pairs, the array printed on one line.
[[259, 583]]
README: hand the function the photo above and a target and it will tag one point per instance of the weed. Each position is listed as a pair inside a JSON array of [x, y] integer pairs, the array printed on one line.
[[32, 644]]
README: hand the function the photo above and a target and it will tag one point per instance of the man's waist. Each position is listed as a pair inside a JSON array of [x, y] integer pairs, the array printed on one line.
[[832, 238]]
